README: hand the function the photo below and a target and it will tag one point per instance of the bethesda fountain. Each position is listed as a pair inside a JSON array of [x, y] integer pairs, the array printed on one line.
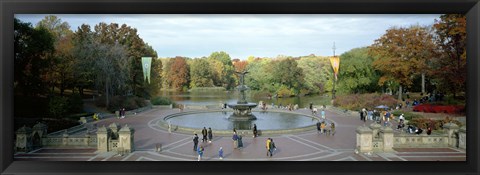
[[242, 110]]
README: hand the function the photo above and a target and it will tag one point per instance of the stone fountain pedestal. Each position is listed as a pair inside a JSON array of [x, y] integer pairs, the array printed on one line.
[[242, 110]]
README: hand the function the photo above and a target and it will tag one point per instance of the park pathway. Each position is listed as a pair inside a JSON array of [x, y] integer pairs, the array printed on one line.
[[306, 146]]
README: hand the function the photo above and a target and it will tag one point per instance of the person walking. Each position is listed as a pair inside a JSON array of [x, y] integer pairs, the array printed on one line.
[[200, 153], [169, 127], [272, 147], [195, 142], [318, 127], [332, 129], [240, 143], [267, 143], [323, 114], [255, 132], [220, 153], [210, 135], [204, 134], [235, 140], [361, 115]]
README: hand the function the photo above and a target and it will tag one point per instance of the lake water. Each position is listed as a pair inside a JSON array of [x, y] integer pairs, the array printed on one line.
[[220, 97]]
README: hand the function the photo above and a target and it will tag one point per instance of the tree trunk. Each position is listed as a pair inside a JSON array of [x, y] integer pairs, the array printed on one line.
[[400, 92], [423, 83]]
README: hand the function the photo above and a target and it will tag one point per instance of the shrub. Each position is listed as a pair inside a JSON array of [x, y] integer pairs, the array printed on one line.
[[118, 102], [407, 115], [359, 101], [161, 101], [285, 92], [75, 104], [57, 106]]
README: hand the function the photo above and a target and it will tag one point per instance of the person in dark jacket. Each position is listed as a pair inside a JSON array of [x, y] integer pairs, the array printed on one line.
[[210, 135], [240, 143], [255, 132], [204, 134], [195, 142]]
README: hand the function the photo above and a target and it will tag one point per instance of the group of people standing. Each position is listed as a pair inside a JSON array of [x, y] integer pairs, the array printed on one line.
[[121, 113], [207, 136]]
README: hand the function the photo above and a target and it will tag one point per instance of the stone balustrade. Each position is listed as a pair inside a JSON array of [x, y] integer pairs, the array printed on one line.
[[376, 138]]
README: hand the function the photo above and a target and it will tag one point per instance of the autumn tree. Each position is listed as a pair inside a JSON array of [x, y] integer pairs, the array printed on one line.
[[61, 62], [450, 66], [136, 48], [176, 73], [240, 65], [402, 53]]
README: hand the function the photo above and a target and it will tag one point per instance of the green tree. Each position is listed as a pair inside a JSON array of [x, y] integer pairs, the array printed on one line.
[[317, 72], [286, 72], [259, 77], [201, 73], [32, 46], [224, 71], [356, 73]]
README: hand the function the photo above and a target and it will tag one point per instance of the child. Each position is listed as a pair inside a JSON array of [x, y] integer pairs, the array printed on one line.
[[200, 153], [220, 153]]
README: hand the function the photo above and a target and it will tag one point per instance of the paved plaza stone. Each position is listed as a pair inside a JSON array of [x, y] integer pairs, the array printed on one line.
[[305, 146]]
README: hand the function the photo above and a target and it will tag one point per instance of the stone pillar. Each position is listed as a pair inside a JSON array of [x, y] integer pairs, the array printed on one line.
[[39, 132], [387, 136], [452, 129], [41, 129], [103, 138], [126, 140], [65, 138], [375, 127], [364, 139], [114, 129], [24, 139], [462, 140]]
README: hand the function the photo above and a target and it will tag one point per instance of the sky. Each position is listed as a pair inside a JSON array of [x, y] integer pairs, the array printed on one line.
[[244, 35]]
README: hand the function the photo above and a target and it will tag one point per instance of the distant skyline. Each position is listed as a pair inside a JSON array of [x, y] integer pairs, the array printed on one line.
[[244, 35]]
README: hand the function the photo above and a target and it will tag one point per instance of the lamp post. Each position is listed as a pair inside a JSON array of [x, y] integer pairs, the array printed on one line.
[[335, 61]]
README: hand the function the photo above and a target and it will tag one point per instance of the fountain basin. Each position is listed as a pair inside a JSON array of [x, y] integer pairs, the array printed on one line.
[[219, 121], [242, 111]]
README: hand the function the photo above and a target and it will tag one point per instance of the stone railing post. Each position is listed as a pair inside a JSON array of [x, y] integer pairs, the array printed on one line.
[[38, 133], [387, 137], [452, 129], [364, 139], [103, 138], [126, 140], [375, 127], [24, 139], [65, 138], [462, 140]]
